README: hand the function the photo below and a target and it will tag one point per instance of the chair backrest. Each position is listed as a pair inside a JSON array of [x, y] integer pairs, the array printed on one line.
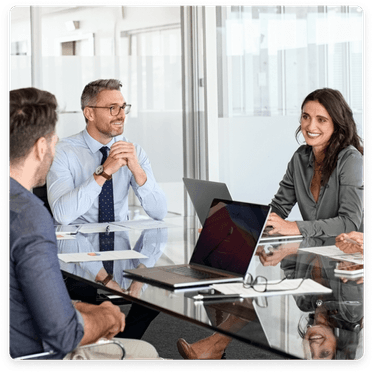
[[41, 192]]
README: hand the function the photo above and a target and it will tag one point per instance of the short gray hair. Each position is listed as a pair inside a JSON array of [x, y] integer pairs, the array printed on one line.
[[92, 89]]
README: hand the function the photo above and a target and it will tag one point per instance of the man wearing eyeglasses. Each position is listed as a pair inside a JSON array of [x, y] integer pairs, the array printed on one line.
[[92, 173], [76, 177]]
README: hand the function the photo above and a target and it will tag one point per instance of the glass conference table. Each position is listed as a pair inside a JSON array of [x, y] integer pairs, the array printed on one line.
[[307, 326]]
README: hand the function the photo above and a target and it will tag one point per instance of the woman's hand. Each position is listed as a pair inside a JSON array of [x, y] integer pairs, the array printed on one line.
[[357, 280], [281, 226], [350, 243], [275, 256]]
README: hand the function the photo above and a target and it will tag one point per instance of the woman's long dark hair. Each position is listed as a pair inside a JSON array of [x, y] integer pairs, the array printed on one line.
[[345, 132]]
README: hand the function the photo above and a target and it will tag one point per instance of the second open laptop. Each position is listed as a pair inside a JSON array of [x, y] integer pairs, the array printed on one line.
[[223, 252], [202, 193]]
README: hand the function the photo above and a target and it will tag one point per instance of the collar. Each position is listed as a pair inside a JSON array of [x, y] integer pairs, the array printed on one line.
[[95, 145]]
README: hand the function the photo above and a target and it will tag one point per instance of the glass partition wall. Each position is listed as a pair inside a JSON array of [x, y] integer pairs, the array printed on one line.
[[268, 59], [216, 91], [140, 46]]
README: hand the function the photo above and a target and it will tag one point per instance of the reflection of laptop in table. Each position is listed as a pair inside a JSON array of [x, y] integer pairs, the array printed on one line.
[[266, 237], [224, 249], [202, 193]]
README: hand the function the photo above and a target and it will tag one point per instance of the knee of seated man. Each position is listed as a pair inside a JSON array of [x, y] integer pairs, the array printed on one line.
[[138, 349]]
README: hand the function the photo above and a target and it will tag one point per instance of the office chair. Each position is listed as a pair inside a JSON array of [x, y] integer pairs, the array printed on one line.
[[41, 192], [99, 349]]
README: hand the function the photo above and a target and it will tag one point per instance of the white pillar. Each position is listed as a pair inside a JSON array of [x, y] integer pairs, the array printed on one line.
[[36, 47]]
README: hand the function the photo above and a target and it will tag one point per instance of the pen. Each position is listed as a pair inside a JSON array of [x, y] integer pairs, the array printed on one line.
[[108, 229], [215, 296], [351, 241]]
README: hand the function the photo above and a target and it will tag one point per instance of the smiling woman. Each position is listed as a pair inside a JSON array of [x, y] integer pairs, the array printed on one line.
[[325, 176]]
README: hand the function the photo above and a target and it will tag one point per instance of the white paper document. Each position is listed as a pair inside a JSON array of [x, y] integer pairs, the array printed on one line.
[[284, 288], [100, 256], [63, 230], [144, 224], [334, 253], [65, 236], [101, 227]]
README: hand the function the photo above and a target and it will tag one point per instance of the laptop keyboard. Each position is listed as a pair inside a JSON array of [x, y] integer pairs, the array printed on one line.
[[192, 272]]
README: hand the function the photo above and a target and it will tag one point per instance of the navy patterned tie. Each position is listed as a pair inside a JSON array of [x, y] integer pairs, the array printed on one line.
[[106, 214]]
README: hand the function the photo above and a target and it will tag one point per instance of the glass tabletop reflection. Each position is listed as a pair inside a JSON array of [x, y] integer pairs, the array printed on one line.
[[310, 326]]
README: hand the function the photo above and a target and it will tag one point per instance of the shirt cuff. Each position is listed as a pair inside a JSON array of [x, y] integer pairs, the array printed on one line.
[[307, 229], [92, 185]]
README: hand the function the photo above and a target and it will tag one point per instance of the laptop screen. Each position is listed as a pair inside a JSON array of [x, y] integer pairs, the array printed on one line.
[[230, 235]]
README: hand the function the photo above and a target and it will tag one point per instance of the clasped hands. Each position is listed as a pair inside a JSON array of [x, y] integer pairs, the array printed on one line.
[[124, 154], [121, 154]]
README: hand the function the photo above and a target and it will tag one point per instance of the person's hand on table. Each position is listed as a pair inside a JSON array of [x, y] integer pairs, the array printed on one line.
[[102, 274], [350, 243], [345, 264], [281, 226], [114, 285], [277, 255], [359, 280], [135, 288]]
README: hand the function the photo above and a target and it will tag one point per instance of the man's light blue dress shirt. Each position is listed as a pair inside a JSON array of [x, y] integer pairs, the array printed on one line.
[[73, 192]]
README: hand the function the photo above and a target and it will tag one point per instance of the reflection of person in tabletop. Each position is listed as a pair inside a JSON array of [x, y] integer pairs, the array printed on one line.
[[151, 243], [339, 312], [331, 328]]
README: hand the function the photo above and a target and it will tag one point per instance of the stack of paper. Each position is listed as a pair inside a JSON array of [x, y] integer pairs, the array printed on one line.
[[144, 224], [283, 288], [62, 231], [334, 253]]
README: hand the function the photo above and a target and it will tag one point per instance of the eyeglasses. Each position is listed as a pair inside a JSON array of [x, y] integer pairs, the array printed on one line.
[[114, 109], [260, 284]]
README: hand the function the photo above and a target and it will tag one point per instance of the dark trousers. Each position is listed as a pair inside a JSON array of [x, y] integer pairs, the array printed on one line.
[[137, 320]]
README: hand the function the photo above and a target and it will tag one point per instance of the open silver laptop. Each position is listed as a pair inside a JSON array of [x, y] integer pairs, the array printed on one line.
[[202, 193], [225, 247]]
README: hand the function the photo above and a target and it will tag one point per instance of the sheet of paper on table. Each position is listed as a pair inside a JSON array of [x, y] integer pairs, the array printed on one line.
[[100, 227], [284, 288], [65, 236], [334, 253], [144, 224], [100, 256], [63, 230]]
